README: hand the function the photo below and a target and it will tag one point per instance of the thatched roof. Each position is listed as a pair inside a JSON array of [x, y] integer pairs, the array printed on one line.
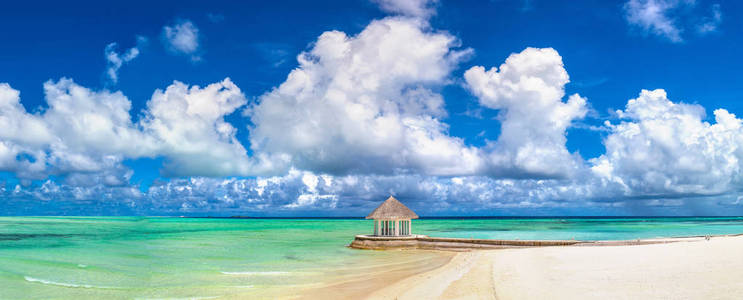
[[392, 209]]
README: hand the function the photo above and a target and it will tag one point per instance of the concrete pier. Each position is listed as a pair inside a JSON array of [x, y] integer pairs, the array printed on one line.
[[462, 244], [438, 243]]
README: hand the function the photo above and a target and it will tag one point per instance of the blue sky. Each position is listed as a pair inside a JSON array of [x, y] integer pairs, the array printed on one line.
[[330, 106]]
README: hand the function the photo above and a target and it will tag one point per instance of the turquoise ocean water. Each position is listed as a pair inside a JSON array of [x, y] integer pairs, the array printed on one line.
[[131, 257]]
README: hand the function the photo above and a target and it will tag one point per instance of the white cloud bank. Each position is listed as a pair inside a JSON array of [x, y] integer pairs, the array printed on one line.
[[660, 151], [86, 131]]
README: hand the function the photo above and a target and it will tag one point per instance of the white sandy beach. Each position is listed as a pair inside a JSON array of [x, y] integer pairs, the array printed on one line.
[[689, 269]]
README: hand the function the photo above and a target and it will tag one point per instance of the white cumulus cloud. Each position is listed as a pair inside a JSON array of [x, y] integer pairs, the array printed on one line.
[[188, 124], [671, 18], [711, 23], [80, 131], [414, 8], [364, 104], [652, 16], [182, 38], [666, 148], [528, 89], [114, 59], [84, 131]]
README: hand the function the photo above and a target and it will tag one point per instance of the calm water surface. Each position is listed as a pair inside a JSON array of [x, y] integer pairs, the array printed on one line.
[[129, 257]]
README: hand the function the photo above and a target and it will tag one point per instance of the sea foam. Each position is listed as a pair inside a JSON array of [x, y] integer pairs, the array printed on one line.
[[64, 284]]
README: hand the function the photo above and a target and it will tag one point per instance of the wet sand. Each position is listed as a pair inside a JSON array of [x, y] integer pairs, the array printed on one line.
[[360, 281]]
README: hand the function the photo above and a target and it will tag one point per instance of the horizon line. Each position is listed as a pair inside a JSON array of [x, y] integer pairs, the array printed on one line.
[[363, 217]]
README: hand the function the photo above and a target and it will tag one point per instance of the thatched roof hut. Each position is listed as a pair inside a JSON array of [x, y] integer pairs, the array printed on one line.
[[392, 209], [392, 218]]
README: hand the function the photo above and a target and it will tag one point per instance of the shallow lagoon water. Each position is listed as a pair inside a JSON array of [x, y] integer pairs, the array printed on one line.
[[131, 257]]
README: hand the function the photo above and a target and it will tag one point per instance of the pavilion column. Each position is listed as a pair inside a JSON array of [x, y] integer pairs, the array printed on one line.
[[410, 227], [397, 227]]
